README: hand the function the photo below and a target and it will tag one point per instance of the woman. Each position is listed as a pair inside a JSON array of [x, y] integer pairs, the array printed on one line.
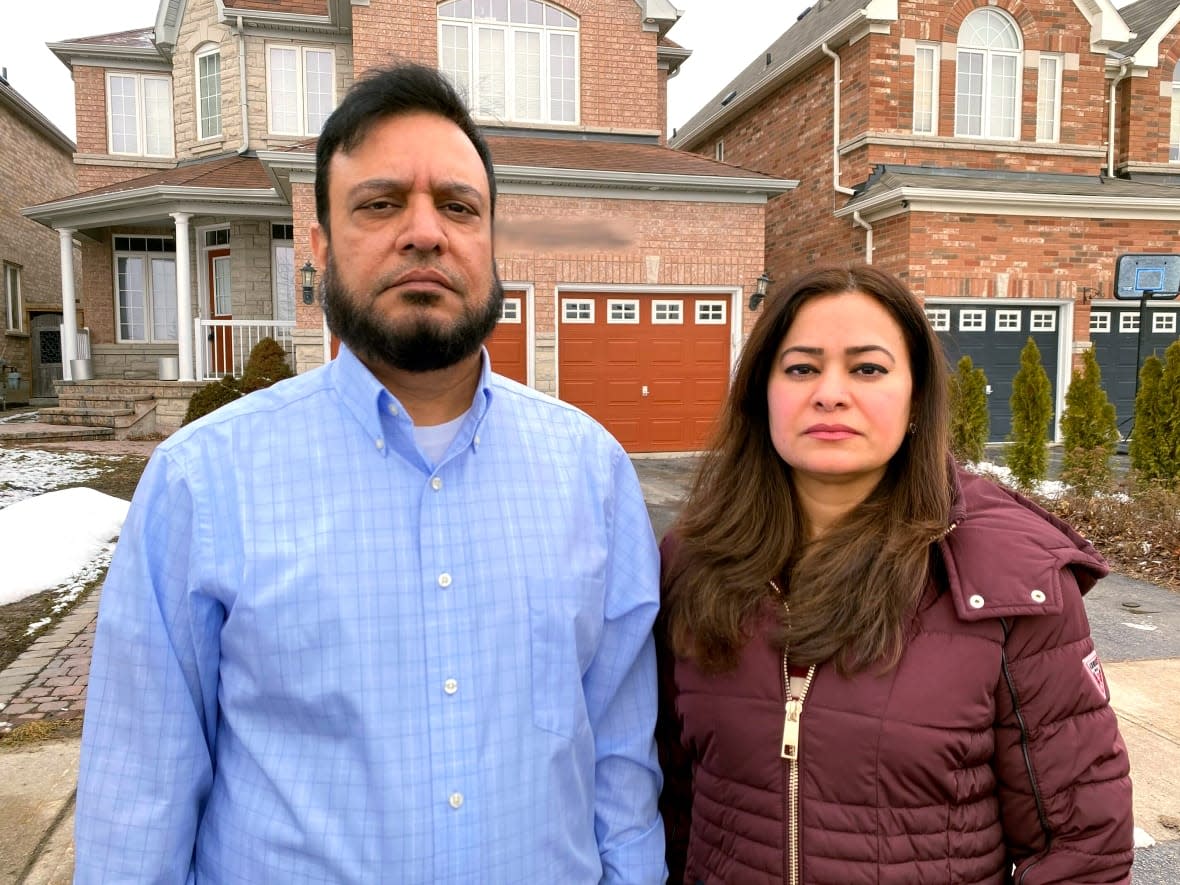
[[875, 667]]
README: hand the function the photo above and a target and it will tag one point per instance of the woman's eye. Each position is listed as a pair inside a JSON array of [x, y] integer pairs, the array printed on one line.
[[871, 369], [799, 369]]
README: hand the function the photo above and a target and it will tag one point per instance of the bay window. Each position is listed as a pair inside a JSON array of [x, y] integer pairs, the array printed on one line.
[[145, 288]]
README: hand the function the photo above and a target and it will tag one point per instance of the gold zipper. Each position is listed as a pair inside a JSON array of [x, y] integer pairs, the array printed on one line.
[[793, 713]]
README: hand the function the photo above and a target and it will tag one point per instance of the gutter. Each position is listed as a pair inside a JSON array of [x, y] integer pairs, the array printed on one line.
[[239, 32], [1124, 70], [836, 186]]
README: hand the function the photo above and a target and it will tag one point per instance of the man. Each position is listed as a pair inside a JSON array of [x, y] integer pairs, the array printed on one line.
[[387, 621]]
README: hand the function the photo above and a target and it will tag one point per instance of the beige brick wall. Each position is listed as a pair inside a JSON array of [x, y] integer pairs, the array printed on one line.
[[33, 170], [620, 82], [199, 31]]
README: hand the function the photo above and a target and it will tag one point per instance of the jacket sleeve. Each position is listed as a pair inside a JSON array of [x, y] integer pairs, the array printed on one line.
[[1064, 784], [676, 797]]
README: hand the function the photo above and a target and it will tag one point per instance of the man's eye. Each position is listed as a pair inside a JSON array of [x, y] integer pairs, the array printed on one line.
[[458, 208], [378, 205]]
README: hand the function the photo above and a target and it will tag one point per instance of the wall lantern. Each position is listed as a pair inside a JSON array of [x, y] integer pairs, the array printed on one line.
[[307, 275], [759, 290]]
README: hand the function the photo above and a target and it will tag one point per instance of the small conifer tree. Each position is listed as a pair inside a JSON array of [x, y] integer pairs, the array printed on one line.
[[969, 418], [1147, 432], [266, 365], [1169, 393], [1089, 429], [1032, 410]]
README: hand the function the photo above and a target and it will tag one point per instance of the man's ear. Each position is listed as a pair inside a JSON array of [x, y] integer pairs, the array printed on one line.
[[319, 245]]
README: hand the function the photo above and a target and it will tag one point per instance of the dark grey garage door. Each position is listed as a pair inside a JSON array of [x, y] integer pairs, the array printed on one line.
[[993, 335], [1114, 331]]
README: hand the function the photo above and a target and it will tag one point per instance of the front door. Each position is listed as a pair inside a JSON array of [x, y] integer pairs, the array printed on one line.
[[45, 331], [221, 307]]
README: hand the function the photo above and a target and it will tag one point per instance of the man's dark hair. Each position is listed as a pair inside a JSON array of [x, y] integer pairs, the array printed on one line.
[[380, 93]]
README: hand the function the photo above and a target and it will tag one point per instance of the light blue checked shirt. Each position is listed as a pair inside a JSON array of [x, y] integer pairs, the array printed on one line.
[[321, 659]]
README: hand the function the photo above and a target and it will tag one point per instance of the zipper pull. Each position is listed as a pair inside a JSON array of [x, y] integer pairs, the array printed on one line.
[[791, 729]]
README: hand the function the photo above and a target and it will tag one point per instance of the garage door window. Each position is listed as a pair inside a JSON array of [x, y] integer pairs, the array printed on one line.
[[1007, 321], [1163, 323], [710, 313], [1043, 321], [1128, 322], [510, 310], [622, 311], [940, 319], [1099, 323], [665, 313], [972, 321], [577, 311]]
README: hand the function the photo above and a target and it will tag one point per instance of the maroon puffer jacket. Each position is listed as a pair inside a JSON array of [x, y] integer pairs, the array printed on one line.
[[992, 744]]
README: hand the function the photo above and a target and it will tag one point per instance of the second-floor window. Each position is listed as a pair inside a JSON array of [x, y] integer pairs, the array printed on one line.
[[301, 84], [926, 89], [1049, 97], [208, 94], [1174, 137], [515, 60], [139, 115], [987, 76]]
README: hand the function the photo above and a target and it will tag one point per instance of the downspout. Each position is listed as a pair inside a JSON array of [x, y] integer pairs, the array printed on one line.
[[239, 31], [839, 188], [1124, 69]]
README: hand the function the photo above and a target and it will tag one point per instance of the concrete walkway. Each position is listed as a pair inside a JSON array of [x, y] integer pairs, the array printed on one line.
[[48, 683]]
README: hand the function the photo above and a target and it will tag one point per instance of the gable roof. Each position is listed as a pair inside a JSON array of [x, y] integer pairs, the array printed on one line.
[[19, 105], [1151, 21]]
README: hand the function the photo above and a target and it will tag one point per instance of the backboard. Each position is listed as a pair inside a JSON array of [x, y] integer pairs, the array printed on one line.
[[1137, 273]]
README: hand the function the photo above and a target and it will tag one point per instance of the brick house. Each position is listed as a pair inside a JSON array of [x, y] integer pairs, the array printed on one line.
[[36, 164], [627, 265], [969, 147]]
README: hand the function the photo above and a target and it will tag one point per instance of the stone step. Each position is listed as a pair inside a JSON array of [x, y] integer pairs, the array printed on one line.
[[96, 398], [44, 432], [88, 417]]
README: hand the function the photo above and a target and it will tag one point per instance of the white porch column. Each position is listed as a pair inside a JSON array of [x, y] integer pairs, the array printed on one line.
[[69, 313], [184, 298]]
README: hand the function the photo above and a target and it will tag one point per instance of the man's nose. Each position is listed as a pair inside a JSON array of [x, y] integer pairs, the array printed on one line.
[[422, 229]]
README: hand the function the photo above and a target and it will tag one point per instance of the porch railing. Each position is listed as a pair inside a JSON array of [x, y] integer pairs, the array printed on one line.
[[221, 347]]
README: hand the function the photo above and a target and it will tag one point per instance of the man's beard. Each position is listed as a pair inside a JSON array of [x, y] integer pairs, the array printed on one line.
[[416, 345]]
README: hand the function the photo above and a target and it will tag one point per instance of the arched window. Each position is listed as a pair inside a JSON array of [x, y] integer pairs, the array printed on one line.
[[987, 77], [515, 60], [1174, 129]]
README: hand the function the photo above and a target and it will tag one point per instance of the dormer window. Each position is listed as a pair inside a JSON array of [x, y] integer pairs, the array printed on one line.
[[514, 60], [139, 115], [208, 74], [987, 76]]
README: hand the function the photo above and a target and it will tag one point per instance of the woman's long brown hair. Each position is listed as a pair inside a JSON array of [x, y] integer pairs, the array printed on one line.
[[853, 589]]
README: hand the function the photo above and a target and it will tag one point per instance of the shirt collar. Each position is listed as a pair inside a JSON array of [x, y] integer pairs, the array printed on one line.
[[369, 402]]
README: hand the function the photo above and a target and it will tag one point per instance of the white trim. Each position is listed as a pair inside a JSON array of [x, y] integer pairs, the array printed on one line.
[[939, 318], [578, 304], [969, 317], [1015, 203], [1007, 320], [301, 50], [1128, 321], [711, 305], [528, 291], [628, 309], [140, 115], [935, 69], [202, 257], [1041, 316], [1100, 322], [1163, 323], [510, 310], [1059, 62], [214, 49]]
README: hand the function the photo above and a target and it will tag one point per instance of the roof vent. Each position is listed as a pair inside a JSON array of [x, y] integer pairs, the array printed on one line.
[[768, 59], [799, 17], [732, 95]]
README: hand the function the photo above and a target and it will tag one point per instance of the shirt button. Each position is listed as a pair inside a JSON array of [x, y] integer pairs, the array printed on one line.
[[436, 483], [393, 410], [380, 443], [451, 686], [456, 800], [476, 439], [976, 601], [444, 580], [1038, 596]]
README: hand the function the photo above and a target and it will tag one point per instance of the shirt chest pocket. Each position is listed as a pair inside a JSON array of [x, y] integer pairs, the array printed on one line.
[[565, 624]]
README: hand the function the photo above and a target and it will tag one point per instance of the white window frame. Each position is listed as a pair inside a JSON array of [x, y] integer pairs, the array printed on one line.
[[1128, 322], [972, 320], [1042, 321], [1008, 321], [284, 288], [148, 295], [987, 120], [1163, 322], [929, 88], [198, 57], [1049, 98], [302, 128], [14, 304], [511, 310], [719, 150], [666, 312], [1174, 124], [141, 108], [1100, 322], [470, 29], [711, 313], [939, 318], [575, 311], [622, 311]]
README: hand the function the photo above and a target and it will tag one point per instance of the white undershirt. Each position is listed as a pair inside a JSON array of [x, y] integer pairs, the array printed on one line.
[[434, 441]]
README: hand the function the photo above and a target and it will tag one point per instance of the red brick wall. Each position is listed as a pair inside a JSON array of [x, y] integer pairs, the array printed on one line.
[[307, 316], [1147, 138], [90, 109], [620, 85]]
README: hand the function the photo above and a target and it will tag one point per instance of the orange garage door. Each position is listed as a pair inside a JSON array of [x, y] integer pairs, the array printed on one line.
[[652, 369], [508, 344]]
